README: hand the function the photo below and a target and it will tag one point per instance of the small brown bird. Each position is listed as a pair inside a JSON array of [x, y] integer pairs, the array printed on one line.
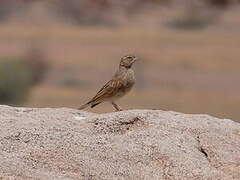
[[121, 83]]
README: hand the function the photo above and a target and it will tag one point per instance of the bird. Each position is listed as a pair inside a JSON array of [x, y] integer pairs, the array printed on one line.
[[121, 83]]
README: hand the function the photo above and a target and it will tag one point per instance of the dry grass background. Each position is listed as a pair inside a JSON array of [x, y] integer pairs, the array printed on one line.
[[191, 71]]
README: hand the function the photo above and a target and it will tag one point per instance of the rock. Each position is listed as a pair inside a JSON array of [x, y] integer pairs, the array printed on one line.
[[137, 144]]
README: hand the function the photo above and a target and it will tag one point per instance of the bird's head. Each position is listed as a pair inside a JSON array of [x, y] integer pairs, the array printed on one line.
[[127, 61]]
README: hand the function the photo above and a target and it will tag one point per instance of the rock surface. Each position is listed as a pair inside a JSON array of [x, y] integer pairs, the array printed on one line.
[[137, 144]]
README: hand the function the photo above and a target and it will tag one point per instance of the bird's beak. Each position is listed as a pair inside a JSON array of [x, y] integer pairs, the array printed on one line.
[[135, 59]]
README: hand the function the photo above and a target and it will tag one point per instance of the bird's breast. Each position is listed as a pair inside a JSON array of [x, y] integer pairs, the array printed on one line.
[[129, 81]]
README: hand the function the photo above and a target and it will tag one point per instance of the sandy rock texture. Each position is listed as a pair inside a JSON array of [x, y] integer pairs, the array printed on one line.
[[137, 144]]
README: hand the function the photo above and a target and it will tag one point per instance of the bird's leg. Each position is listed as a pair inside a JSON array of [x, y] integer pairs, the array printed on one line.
[[117, 107]]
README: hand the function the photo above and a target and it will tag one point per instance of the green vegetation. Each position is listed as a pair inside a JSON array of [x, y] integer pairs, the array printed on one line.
[[15, 81], [190, 23], [17, 76]]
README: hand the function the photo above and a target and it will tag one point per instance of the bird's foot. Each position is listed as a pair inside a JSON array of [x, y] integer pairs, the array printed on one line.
[[117, 107]]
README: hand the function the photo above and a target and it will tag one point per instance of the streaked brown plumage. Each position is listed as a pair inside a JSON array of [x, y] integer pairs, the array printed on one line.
[[121, 83]]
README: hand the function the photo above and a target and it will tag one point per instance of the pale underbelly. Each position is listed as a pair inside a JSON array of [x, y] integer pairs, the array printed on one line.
[[120, 94]]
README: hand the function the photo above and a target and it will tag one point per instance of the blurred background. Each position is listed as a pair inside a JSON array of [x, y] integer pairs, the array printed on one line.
[[58, 53]]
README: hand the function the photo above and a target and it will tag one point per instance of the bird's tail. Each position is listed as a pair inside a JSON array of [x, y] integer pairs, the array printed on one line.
[[84, 106]]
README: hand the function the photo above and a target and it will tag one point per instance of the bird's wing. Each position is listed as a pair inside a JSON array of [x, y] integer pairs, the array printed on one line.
[[108, 90]]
